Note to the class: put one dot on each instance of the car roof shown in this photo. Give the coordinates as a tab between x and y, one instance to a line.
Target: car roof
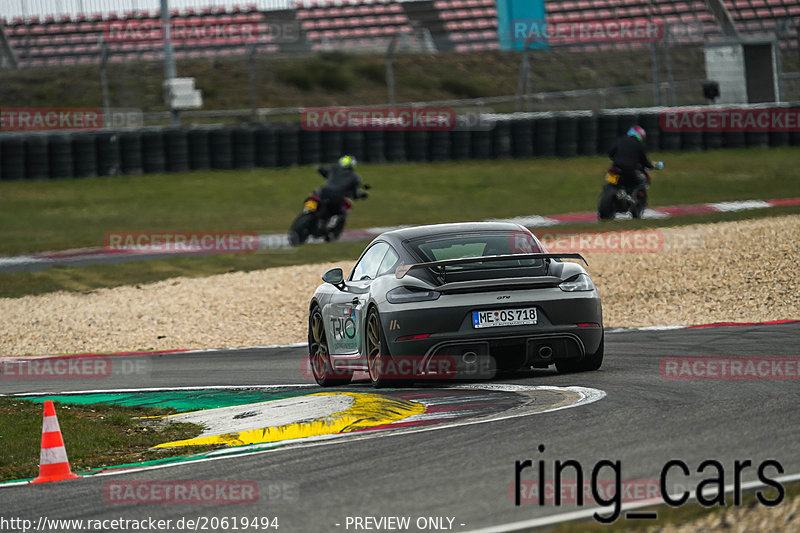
415	232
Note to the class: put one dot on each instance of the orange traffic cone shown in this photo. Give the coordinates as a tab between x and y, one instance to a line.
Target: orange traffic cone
53	462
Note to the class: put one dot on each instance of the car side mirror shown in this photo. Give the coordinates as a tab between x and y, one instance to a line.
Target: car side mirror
335	277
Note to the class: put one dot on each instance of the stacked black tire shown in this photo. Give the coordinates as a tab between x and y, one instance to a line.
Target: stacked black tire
522	135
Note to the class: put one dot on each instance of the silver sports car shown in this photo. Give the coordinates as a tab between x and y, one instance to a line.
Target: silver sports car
454	301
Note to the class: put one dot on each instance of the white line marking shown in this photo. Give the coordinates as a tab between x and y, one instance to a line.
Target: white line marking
645	328
532	221
587	513
740	206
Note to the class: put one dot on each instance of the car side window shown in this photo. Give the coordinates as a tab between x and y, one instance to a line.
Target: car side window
367	267
389	263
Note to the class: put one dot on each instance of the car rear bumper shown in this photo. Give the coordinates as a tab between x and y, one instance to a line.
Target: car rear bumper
569	326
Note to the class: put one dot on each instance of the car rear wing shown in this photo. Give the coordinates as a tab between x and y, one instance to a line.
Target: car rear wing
403	269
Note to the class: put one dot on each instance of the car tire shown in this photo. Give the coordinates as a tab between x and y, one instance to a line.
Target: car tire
378	357
319	356
589	363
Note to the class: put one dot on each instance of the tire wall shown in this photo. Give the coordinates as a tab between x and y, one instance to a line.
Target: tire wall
58	155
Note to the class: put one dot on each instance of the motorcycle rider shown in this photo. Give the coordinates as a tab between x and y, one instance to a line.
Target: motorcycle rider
629	155
342	182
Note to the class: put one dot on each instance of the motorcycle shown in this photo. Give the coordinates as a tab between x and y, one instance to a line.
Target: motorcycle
316	220
615	199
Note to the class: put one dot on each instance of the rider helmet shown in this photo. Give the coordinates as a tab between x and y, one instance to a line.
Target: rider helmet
638	132
347	161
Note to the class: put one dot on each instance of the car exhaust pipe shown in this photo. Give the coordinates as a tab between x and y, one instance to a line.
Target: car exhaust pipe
545	352
469	358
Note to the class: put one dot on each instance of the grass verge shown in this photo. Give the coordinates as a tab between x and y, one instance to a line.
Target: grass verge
683	515
95	436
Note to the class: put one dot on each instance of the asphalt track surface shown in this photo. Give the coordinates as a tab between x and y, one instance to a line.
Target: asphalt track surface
465	472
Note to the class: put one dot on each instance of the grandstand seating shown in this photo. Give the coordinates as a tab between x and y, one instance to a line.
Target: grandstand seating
363	25
68	41
460	25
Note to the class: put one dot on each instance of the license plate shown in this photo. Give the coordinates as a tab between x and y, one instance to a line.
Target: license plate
613	179
504	317
311	205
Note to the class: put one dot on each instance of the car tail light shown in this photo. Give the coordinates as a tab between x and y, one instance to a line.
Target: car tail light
403	295
413	337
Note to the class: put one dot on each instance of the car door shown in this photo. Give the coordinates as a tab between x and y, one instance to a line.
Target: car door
346	309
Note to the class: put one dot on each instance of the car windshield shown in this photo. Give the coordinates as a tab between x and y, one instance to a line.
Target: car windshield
483	244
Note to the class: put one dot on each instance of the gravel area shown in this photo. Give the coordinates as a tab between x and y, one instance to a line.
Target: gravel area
732	271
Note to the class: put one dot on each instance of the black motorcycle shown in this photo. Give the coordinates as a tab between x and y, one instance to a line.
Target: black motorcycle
617	199
320	219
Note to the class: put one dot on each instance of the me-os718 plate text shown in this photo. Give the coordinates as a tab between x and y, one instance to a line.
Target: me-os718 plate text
504	317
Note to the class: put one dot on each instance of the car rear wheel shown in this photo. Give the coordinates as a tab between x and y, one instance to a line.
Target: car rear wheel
321	365
589	362
378	358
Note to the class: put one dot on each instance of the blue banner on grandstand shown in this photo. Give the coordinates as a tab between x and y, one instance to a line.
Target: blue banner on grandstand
509	11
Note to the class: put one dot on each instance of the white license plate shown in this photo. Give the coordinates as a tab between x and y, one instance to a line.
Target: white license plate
504	317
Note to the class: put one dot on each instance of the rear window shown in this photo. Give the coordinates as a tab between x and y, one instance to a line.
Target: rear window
479	245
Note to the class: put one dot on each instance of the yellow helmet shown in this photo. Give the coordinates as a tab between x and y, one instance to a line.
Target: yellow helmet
347	161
